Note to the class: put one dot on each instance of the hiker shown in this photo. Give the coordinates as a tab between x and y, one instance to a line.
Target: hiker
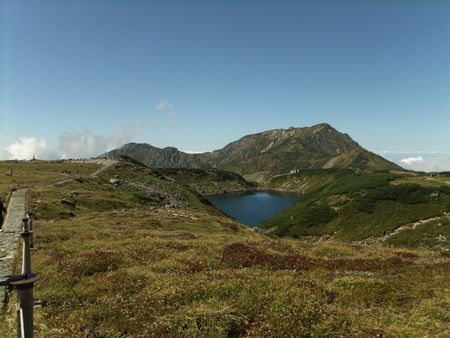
2	210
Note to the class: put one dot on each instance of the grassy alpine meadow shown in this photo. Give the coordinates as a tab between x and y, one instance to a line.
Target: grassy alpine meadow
17	174
150	258
355	205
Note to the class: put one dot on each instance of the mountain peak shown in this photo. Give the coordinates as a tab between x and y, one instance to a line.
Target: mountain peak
322	125
272	152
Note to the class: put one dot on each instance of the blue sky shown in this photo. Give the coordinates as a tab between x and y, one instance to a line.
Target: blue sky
78	77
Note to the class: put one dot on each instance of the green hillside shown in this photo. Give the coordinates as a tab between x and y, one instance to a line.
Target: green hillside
358	205
206	181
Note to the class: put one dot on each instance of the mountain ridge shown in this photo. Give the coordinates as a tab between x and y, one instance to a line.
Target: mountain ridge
261	155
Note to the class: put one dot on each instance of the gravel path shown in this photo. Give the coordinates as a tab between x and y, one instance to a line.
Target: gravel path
10	237
399	229
410	226
106	164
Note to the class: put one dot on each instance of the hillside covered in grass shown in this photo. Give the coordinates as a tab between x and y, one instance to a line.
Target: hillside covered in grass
207	181
357	205
146	256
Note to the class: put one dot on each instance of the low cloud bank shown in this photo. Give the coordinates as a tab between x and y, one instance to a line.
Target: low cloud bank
429	164
420	160
70	145
194	151
412	160
26	148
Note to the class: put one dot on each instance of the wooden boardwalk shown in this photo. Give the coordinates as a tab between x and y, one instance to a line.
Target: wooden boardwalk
10	237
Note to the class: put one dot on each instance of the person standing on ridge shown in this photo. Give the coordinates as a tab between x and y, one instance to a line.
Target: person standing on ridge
2	210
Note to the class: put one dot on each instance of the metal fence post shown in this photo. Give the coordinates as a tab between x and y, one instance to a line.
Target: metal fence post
18	325
26	256
24	289
28	216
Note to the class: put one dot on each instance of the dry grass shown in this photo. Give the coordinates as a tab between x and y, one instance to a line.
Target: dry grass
140	270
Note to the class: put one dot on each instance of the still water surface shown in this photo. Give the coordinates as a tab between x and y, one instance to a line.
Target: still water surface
251	208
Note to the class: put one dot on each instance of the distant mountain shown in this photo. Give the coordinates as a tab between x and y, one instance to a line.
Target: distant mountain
263	155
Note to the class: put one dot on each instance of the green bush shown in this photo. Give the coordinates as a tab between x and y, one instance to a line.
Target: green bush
363	204
404	193
355	182
318	214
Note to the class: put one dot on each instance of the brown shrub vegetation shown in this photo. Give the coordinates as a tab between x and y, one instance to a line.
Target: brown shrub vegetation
241	255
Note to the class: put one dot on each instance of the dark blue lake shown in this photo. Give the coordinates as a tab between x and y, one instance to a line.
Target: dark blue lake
251	208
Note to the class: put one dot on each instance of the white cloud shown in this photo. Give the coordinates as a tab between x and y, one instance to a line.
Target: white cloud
89	144
420	160
427	163
122	135
397	152
164	105
411	160
440	163
194	151
71	145
27	147
81	144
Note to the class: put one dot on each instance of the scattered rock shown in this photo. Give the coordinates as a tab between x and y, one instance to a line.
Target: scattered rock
435	194
258	230
441	238
68	201
115	181
66	215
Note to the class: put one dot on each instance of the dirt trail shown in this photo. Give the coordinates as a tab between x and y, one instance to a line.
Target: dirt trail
438	180
412	226
105	162
10	237
396	231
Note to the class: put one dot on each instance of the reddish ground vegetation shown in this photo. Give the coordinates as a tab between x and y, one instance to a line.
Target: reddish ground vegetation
87	263
195	266
241	255
441	266
186	236
407	255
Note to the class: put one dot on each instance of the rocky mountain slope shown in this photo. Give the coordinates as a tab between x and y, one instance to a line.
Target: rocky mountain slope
263	155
